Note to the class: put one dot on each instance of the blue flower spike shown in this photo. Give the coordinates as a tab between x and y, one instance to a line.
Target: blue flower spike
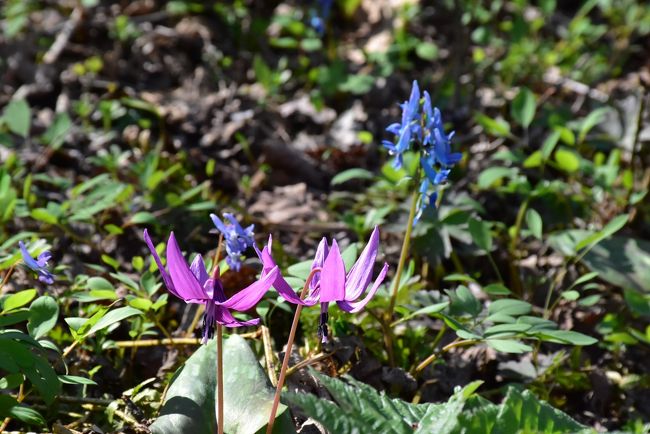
237	238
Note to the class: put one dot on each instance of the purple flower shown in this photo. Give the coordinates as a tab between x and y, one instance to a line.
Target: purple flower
194	285
38	265
408	129
332	283
237	238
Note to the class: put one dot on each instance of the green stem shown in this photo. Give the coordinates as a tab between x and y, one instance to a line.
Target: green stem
287	353
388	330
514	273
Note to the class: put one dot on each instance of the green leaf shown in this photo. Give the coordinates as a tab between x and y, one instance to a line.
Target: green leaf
9	407
534	222
523	107
190	402
57	131
113	317
566	337
427	310
509	306
590	121
74	379
481	234
142	217
19	299
42	214
99	284
427	50
534	160
359	408
43	314
610	229
496	127
496	289
567	160
17	117
347	175
492	175
508	346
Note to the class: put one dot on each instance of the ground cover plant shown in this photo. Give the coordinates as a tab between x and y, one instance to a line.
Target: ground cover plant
344	216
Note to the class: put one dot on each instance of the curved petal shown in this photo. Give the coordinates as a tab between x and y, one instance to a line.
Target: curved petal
198	269
44	258
165	277
185	283
354	307
249	296
27	258
321	253
224	317
332	282
360	274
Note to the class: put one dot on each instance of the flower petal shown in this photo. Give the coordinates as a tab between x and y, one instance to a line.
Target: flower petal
224	317
354	307
198	269
185	283
27	258
165	277
360	274
332	283
44	258
249	296
280	284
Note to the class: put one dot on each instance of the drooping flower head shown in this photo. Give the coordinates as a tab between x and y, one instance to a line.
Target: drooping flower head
193	284
332	283
237	239
38	265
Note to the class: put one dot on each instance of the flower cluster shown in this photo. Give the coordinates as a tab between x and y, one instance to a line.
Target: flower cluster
422	128
237	239
330	283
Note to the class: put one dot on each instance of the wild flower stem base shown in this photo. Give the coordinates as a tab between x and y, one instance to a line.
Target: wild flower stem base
287	354
220	378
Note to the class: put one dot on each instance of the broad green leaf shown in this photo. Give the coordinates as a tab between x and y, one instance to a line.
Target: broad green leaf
43	314
534	160
57	131
17	117
590	121
142	217
496	127
534	222
427	310
19	299
506	328
427	50
347	175
523	107
42	214
190	402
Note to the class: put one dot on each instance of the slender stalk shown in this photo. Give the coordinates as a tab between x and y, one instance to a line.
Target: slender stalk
434	356
268	354
220	378
287	354
388	331
512	248
7	275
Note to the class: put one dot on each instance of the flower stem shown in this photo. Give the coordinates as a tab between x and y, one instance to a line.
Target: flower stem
388	336
220	378
287	353
7	275
434	356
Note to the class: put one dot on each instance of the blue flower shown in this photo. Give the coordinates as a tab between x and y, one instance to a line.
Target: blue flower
436	141
237	238
408	129
38	265
319	18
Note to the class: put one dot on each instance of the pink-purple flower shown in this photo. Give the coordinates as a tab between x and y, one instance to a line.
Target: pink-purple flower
193	284
332	283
